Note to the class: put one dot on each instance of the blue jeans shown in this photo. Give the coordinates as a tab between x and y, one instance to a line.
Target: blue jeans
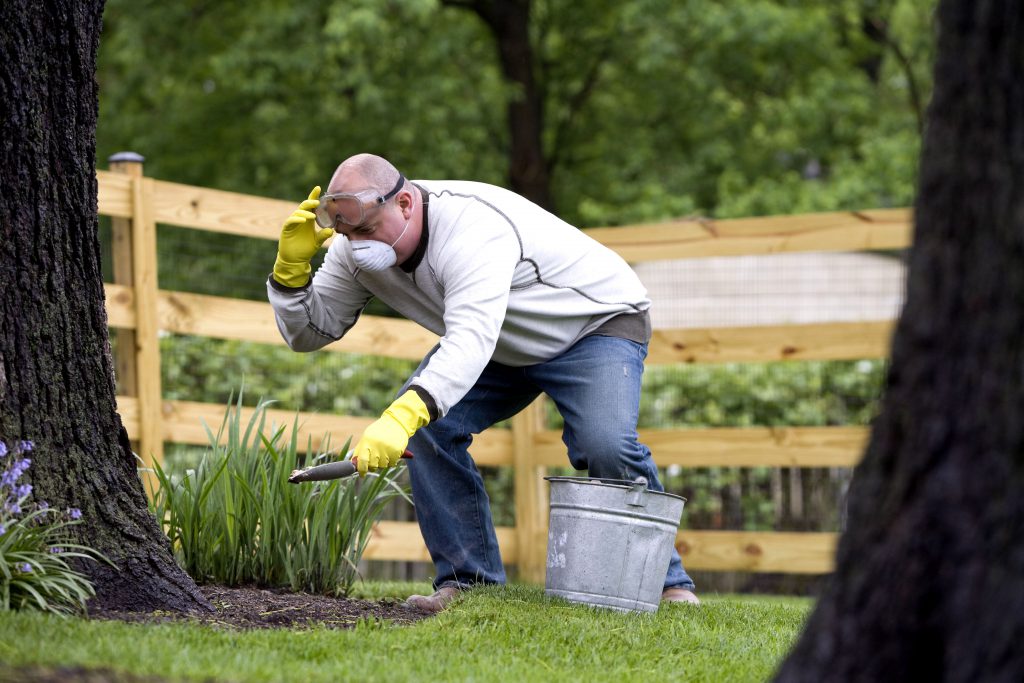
596	386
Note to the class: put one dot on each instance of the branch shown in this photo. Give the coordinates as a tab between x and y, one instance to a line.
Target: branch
576	103
915	95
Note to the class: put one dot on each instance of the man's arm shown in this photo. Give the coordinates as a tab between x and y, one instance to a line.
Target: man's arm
318	314
312	313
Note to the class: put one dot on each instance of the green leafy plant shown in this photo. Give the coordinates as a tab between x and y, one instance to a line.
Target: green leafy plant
35	545
236	520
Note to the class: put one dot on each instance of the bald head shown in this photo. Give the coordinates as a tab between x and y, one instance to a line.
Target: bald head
362	172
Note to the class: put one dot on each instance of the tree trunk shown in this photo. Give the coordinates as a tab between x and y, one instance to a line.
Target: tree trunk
929	580
56	373
509	21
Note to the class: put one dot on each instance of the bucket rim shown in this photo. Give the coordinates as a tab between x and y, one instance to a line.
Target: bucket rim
616	483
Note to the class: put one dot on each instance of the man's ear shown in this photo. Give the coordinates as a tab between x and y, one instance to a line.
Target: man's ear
405	203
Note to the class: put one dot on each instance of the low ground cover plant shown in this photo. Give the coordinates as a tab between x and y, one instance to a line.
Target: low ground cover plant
235	519
36	545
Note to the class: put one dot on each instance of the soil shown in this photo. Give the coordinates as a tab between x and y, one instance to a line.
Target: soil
252	608
237	609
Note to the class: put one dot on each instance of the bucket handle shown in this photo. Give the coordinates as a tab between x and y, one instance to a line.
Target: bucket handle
637	487
636	493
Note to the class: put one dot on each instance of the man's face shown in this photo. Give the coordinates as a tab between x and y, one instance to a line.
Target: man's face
384	223
378	225
350	183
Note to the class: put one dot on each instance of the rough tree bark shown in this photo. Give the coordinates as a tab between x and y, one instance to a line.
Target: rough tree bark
929	581
56	373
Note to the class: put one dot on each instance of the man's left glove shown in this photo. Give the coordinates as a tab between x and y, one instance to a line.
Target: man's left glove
384	441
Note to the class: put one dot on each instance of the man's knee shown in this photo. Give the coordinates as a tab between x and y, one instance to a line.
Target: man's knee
604	451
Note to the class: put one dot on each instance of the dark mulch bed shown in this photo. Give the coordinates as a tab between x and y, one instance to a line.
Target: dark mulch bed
250	608
236	608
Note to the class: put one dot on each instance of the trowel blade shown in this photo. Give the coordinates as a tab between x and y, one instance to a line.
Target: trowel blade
331	470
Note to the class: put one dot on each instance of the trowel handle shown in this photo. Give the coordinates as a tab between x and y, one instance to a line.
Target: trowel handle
331	470
405	456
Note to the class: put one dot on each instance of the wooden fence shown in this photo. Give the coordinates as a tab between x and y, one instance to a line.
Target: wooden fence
139	311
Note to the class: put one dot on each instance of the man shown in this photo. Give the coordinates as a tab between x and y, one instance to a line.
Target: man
523	302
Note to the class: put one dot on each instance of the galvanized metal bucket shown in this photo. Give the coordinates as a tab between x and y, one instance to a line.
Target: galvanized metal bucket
610	542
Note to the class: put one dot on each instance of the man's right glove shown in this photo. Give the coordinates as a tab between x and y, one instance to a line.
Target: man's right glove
300	239
384	441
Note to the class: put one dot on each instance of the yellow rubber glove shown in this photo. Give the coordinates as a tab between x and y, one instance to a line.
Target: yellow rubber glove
385	440
300	239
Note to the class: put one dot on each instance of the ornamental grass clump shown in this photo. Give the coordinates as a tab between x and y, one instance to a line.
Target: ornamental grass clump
35	545
235	520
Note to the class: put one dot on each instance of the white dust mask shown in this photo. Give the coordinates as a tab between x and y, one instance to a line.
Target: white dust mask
375	256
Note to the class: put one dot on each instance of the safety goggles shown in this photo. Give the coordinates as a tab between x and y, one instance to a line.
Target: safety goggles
350	209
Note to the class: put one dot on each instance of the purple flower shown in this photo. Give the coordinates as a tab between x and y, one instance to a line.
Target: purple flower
3	449
12	475
43	505
13	508
75	513
3	530
55	550
24	490
26	446
25	568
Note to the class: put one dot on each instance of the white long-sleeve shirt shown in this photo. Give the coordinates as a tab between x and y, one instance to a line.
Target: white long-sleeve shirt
500	279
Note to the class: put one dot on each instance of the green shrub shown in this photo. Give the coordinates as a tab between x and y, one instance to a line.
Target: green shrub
235	519
35	545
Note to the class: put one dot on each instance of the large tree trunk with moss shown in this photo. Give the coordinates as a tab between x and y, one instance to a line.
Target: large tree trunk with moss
56	373
929	581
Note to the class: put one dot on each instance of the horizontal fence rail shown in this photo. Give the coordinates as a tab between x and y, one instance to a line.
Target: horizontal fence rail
223	318
183	422
240	214
138	311
766	551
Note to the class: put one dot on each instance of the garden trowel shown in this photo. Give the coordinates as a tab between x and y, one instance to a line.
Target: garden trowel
331	470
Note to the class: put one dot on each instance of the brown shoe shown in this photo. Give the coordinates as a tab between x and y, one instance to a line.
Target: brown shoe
679	595
436	602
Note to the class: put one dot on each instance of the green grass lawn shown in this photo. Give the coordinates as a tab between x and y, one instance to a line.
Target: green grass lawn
503	634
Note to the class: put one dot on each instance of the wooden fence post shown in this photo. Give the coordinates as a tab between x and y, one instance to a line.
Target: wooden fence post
135	264
531	494
129	164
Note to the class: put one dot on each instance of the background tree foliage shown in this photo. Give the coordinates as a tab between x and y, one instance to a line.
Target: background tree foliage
647	109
